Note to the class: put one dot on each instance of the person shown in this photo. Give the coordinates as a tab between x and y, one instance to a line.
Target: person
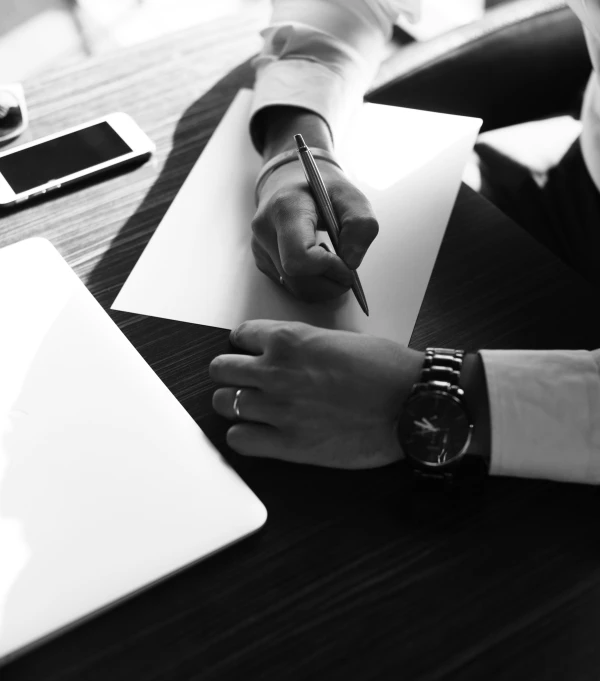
346	400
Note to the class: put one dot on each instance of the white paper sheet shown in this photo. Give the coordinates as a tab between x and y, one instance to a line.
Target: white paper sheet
198	266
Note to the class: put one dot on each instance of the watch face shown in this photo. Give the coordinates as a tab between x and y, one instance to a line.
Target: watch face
434	429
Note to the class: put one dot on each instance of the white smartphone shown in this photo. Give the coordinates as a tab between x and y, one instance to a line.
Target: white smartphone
47	164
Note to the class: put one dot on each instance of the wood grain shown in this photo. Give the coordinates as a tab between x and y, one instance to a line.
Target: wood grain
357	575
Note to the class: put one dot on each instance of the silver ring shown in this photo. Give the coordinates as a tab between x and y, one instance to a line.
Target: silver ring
236	404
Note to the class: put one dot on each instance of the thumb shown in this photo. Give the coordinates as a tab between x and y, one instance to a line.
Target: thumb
326	262
358	225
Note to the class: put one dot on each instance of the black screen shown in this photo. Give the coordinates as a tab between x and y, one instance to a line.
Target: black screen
61	156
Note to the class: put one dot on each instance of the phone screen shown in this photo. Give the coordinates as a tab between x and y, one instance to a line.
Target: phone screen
62	156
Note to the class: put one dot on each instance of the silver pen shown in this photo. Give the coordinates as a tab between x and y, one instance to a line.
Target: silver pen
325	207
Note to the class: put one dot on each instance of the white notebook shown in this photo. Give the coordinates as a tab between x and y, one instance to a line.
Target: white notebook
198	267
106	483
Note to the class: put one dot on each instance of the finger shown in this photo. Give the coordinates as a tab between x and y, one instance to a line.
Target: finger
305	288
313	289
265	263
252	439
358	224
252	405
239	370
252	335
309	289
292	212
302	256
294	251
318	288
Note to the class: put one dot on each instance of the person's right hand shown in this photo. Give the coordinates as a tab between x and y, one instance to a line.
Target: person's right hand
285	240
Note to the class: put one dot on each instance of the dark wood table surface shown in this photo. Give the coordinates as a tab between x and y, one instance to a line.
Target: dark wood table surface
357	575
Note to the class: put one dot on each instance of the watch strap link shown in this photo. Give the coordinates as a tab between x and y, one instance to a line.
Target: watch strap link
441	371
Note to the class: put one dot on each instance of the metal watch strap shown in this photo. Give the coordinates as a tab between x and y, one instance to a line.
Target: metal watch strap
288	157
441	371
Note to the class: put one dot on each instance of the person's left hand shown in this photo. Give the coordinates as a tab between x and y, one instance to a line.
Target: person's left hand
315	396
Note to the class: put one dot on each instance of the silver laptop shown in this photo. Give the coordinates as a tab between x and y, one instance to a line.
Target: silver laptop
106	483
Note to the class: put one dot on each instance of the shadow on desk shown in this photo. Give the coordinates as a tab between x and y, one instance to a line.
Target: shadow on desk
179	352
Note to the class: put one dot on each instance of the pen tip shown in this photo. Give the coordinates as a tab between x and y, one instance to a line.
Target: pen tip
299	141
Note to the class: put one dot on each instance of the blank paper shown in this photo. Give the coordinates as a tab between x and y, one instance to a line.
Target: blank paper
198	266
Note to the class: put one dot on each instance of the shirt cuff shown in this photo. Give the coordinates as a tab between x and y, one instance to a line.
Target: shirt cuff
307	85
544	413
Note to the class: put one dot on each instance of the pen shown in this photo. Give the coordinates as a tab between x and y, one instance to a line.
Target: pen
321	197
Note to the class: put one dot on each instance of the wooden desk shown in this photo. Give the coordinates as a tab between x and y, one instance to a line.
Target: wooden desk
354	576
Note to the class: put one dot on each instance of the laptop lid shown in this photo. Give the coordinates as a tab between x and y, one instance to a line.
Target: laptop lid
106	483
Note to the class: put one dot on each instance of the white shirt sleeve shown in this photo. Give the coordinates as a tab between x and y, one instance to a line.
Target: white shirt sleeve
322	55
545	413
588	12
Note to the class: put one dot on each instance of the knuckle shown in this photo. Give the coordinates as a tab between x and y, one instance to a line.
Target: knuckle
260	226
281	203
284	335
238	332
242	327
286	419
285	342
276	378
294	265
337	185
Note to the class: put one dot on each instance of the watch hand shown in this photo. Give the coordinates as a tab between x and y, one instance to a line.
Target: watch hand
425	424
444	452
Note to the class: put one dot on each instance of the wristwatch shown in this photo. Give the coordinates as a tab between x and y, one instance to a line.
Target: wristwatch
434	427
